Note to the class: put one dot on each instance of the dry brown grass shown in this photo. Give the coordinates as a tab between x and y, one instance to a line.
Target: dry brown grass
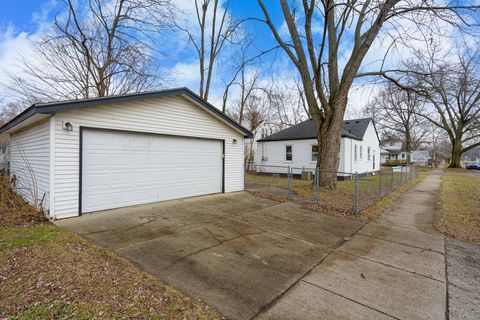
460	203
13	210
50	273
455	170
339	202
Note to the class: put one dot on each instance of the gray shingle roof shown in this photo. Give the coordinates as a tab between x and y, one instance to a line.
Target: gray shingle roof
354	129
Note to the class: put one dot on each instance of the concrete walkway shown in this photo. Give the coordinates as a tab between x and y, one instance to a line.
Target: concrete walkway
393	268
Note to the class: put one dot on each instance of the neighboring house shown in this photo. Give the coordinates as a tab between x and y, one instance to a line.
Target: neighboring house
297	147
88	155
421	158
263	130
394	151
472	155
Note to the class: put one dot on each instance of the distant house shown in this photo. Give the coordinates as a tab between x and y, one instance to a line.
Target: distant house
421	158
264	129
297	147
394	151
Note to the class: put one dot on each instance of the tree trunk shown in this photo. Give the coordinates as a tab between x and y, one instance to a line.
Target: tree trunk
456	154
408	142
329	135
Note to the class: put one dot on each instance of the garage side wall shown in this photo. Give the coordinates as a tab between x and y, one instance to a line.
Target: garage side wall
30	163
167	115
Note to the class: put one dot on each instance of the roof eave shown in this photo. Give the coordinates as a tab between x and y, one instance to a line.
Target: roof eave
51	108
306	138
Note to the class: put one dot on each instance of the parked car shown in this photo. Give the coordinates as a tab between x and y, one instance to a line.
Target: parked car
473	166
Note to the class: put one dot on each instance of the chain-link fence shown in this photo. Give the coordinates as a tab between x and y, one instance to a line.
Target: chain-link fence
353	192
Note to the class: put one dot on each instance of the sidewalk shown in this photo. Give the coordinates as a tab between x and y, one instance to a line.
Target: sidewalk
393	268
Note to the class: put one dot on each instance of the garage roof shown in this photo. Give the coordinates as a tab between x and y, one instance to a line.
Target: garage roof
353	129
49	109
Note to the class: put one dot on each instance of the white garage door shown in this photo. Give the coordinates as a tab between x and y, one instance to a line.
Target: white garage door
122	169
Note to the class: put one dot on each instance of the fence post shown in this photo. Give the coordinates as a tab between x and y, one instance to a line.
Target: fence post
316	185
356	194
289	182
391	180
380	182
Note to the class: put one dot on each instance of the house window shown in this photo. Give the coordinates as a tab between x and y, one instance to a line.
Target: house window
361	153
403	155
314	153
369	151
288	153
355	152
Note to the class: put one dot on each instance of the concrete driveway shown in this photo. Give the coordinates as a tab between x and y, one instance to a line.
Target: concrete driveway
237	252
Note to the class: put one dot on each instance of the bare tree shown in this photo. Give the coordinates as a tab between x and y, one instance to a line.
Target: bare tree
96	48
213	35
8	110
396	110
326	83
452	88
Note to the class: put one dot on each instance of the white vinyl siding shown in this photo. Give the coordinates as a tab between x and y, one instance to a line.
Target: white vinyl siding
167	115
30	163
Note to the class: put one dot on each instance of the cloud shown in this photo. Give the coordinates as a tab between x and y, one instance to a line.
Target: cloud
186	74
13	46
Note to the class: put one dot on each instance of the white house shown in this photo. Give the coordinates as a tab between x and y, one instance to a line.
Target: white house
89	155
297	147
393	150
421	158
264	129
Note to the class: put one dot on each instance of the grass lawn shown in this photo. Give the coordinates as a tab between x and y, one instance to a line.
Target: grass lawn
460	200
340	201
49	273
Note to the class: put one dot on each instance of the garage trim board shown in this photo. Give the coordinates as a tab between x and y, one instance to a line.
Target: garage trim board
144	135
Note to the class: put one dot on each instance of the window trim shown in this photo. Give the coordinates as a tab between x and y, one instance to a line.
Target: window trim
289	153
355	152
313	153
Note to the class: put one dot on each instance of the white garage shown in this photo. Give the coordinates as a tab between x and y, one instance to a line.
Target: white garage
90	155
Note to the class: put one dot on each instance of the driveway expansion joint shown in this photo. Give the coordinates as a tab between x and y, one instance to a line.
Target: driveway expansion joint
390	266
350	299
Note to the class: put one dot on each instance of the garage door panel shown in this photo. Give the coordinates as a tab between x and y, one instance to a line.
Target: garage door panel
122	169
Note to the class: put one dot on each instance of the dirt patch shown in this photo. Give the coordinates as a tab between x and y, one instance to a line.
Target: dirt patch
269	196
